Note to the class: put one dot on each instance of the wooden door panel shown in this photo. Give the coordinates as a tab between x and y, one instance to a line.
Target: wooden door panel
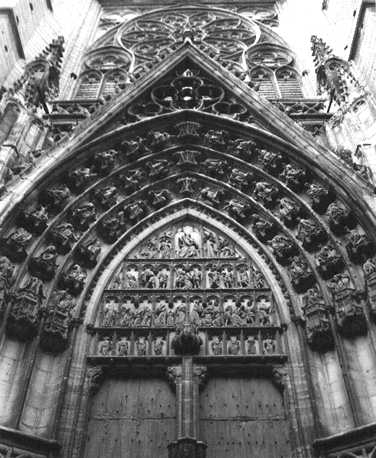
131	418
243	418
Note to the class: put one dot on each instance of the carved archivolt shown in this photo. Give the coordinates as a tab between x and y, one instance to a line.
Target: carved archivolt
292	215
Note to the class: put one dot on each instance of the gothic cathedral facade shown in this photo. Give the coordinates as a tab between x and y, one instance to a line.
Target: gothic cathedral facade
188	236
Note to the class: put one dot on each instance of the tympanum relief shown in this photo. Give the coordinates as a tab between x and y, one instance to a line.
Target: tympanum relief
184	275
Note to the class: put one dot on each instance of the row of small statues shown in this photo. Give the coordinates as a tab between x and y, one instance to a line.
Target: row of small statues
142	346
187	242
210	314
189	277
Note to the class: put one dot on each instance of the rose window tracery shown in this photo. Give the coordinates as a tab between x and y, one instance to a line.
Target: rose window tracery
221	33
187	275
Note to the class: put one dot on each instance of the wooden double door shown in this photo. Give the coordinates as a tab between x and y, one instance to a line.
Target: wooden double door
239	418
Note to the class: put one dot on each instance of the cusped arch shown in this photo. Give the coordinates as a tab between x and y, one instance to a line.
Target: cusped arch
180	212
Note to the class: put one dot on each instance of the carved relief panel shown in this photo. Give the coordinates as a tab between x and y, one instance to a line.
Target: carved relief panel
187	274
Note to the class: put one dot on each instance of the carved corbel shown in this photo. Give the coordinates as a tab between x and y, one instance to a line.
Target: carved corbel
95	376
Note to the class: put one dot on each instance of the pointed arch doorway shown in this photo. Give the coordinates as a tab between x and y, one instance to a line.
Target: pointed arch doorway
188	335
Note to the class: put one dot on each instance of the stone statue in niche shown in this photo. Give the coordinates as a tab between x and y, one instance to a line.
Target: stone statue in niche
269	346
321	197
272	162
187	242
233	316
266	193
148	278
54	335
147	317
135	211
251	345
294	177
259	281
110	312
212	195
44	266
158	346
80	178
264	310
359	247
158	169
245	149
329	262
180	310
158	140
241	180
163	277
110	227
247	311
105	346
318	328
159	199
83	215
244	277
122	347
23	320
141	346
131	181
138	316
134	148
126	315
226	248
55	197
233	346
348	306
265	230
340	219
284	249
310	234
237	209
216	346
227	277
34	221
369	269
14	246
210	243
216	138
130	279
149	249
160	314
289	211
302	277
165	245
63	236
87	253
187	185
6	275
74	279
182	280
214	276
106	196
104	162
215	167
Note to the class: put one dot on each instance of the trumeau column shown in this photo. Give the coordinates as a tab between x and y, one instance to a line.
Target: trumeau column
187	378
